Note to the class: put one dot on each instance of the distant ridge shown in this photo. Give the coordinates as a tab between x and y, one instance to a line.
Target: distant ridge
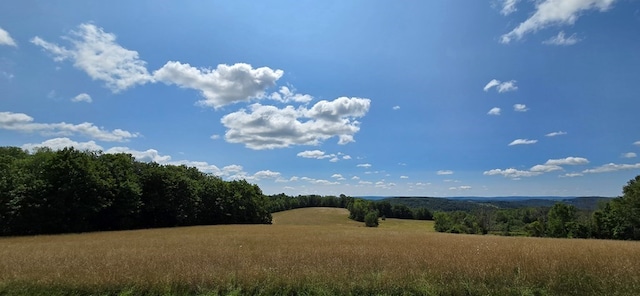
468	203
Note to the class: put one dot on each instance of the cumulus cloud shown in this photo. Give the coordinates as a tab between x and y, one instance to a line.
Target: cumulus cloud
629	155
396	108
286	95
571	175
221	86
560	39
568	161
501	87
554	12
520	108
24	123
83	97
61	143
5	38
338	177
511	173
404	177
266	174
346	157
444	172
637	143
97	54
149	155
555	134
550	166
364	165
494	111
523	142
508	6
317	154
612	167
269	127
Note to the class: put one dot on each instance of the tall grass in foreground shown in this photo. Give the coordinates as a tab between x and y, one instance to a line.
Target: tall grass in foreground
333	256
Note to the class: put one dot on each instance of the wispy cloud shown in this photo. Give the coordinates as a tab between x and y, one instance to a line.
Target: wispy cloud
612	167
444	172
97	54
523	142
554	134
629	155
501	87
5	38
24	123
560	39
554	12
508	6
494	111
83	97
364	165
520	108
396	108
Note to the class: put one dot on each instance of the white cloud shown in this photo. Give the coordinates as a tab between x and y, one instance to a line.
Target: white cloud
149	155
24	123
494	111
268	127
520	108
338	177
215	137
61	143
221	86
568	161
355	178
637	143
612	167
266	174
561	40
444	172
554	134
317	154
550	166
554	12
492	83
629	155
545	168
571	175
511	173
404	177
364	165
464	187
5	38
97	53
286	95
83	97
334	159
522	142
501	87
508	7
365	183
346	157
396	108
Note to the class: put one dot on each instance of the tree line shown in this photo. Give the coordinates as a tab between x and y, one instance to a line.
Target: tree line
369	212
618	218
48	192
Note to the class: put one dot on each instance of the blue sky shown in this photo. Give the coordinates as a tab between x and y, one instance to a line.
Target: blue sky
423	98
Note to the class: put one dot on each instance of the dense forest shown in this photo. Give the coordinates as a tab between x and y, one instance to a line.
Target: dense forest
617	218
76	191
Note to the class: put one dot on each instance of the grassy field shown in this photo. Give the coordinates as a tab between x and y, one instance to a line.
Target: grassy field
316	251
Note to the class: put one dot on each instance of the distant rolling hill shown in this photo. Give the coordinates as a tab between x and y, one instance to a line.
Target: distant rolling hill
469	203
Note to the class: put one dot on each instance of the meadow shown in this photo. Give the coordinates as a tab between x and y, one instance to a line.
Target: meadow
314	251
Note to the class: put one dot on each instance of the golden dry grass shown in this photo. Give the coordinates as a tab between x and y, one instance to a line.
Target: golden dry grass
322	248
